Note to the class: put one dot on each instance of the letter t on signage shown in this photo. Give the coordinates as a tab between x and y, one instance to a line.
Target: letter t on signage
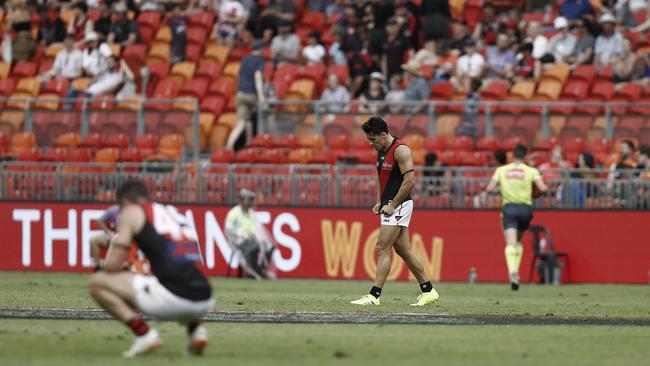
26	216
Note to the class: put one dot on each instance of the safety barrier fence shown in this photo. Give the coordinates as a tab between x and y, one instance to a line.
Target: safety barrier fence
351	186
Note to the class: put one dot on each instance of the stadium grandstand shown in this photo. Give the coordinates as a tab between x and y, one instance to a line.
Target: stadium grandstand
154	94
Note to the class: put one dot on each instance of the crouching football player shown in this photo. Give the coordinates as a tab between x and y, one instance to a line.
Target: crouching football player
177	291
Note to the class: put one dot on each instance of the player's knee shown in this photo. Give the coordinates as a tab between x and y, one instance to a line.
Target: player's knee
382	249
97	281
400	251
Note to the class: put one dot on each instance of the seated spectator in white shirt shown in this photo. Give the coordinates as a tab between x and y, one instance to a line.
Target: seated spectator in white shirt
336	96
395	95
314	52
67	63
563	44
232	18
285	47
94	56
109	82
469	66
535	36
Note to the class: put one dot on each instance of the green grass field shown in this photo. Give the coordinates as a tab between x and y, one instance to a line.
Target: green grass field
89	342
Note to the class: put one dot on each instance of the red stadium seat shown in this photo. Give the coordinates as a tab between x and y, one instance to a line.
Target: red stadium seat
137	51
313	20
289	141
203	19
25	69
262	141
341	71
150	19
196	88
119	140
224	88
208	70
461	143
222	157
92	140
487	144
56	86
495	90
214	105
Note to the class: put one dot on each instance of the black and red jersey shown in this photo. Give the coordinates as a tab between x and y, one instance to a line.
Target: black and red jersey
390	175
173	252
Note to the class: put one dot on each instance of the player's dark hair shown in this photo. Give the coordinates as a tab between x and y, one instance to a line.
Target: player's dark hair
132	190
644	150
629	144
501	157
520	151
375	125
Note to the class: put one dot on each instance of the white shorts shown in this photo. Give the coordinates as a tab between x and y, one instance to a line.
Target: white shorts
154	300
401	216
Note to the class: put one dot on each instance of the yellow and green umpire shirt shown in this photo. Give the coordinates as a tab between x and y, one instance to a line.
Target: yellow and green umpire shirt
516	183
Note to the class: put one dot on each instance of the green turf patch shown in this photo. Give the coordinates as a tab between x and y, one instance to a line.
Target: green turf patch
72	343
49	290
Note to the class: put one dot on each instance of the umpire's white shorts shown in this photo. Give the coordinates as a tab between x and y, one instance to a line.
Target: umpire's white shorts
155	301
400	217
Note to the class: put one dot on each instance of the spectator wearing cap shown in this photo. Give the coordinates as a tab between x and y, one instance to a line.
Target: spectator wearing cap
232	19
249	93
609	43
177	24
103	23
418	88
80	25
124	31
67	63
373	97
563	44
469	66
51	28
535	36
335	97
107	83
285	47
359	66
574	10
94	55
500	58
396	47
584	50
313	52
396	94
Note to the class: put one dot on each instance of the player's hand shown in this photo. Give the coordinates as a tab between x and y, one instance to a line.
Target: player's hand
387	210
375	208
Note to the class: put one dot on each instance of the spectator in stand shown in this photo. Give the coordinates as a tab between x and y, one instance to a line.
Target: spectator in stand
104	22
489	27
396	47
437	19
621	11
535	36
314	52
177	25
80	25
526	67
628	66
396	94
18	21
275	12
609	43
351	25
51	28
337	56
417	89
406	21
500	58
249	93
574	10
459	37
151	5
335	96
470	66
94	56
551	169
620	169
563	44
232	19
359	66
643	164
123	30
427	54
584	50
109	82
67	63
469	125
375	94
337	7
285	47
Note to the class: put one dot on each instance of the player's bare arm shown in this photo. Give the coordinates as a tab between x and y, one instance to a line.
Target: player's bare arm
132	220
492	186
404	158
102	225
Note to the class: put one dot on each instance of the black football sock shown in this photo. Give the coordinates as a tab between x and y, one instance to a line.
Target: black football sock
375	291
426	286
138	326
192	326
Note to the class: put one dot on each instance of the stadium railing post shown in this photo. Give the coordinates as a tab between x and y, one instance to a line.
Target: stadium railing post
262	108
28	117
546	131
85	128
609	127
140	129
433	124
489	125
196	132
318	127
